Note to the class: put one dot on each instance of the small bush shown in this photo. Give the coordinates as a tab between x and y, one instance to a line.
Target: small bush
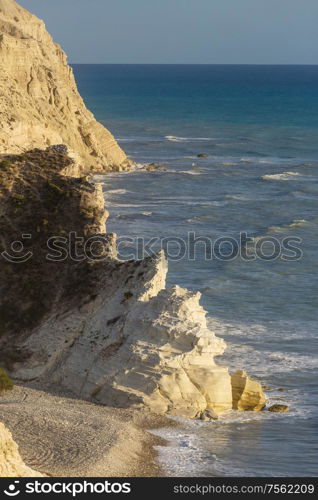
56	188
19	197
5	165
6	383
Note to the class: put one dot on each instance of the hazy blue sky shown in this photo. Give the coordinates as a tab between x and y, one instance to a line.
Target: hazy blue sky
183	31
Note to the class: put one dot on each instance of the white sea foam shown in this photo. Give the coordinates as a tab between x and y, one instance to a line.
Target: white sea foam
139	139
287	330
284	228
190	172
262	362
239	197
295	224
285	176
173	138
117	191
187	453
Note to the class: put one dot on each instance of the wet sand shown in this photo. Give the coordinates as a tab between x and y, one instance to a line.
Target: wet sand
60	435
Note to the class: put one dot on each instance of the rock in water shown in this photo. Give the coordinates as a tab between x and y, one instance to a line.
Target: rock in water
208	415
202	155
277	408
39	101
247	393
155	166
11	463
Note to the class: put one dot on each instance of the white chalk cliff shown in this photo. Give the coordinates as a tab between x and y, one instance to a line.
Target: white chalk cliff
11	463
139	344
39	101
109	330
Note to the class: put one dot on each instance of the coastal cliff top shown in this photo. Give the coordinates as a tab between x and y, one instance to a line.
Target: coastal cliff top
39	101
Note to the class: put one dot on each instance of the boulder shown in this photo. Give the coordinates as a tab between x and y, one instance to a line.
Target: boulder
247	393
278	408
155	166
208	415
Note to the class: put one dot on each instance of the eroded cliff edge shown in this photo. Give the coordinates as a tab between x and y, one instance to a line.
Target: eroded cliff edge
11	463
39	101
76	316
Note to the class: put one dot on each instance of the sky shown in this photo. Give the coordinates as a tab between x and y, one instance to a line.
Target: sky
183	31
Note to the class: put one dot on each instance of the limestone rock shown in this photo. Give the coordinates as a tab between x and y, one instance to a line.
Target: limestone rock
39	101
208	415
11	463
155	166
247	393
108	330
278	408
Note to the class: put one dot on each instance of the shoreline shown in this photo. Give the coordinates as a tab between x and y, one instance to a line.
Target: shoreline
62	436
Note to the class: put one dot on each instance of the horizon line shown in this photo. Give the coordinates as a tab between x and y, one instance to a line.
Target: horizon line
191	64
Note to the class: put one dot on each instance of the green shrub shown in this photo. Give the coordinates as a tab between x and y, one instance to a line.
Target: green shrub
56	188
6	383
5	164
19	197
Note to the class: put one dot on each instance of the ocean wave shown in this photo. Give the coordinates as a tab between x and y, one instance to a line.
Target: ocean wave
173	138
190	172
285	176
118	191
287	330
144	140
284	228
280	229
196	448
265	363
255	158
239	197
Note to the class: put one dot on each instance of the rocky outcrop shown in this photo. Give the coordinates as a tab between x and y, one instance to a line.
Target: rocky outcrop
247	393
278	408
11	463
108	330
39	101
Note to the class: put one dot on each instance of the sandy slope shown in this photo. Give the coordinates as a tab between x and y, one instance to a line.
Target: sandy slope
62	436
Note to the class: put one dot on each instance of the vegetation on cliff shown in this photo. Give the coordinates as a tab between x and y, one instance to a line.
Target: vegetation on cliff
6	383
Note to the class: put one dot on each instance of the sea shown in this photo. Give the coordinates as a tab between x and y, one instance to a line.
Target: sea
257	127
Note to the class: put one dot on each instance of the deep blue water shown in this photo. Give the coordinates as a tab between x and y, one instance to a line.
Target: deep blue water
258	126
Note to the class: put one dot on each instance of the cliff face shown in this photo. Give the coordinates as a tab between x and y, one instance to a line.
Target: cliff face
71	313
106	329
11	463
39	101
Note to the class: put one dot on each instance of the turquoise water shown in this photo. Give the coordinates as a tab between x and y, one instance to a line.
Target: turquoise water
258	126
